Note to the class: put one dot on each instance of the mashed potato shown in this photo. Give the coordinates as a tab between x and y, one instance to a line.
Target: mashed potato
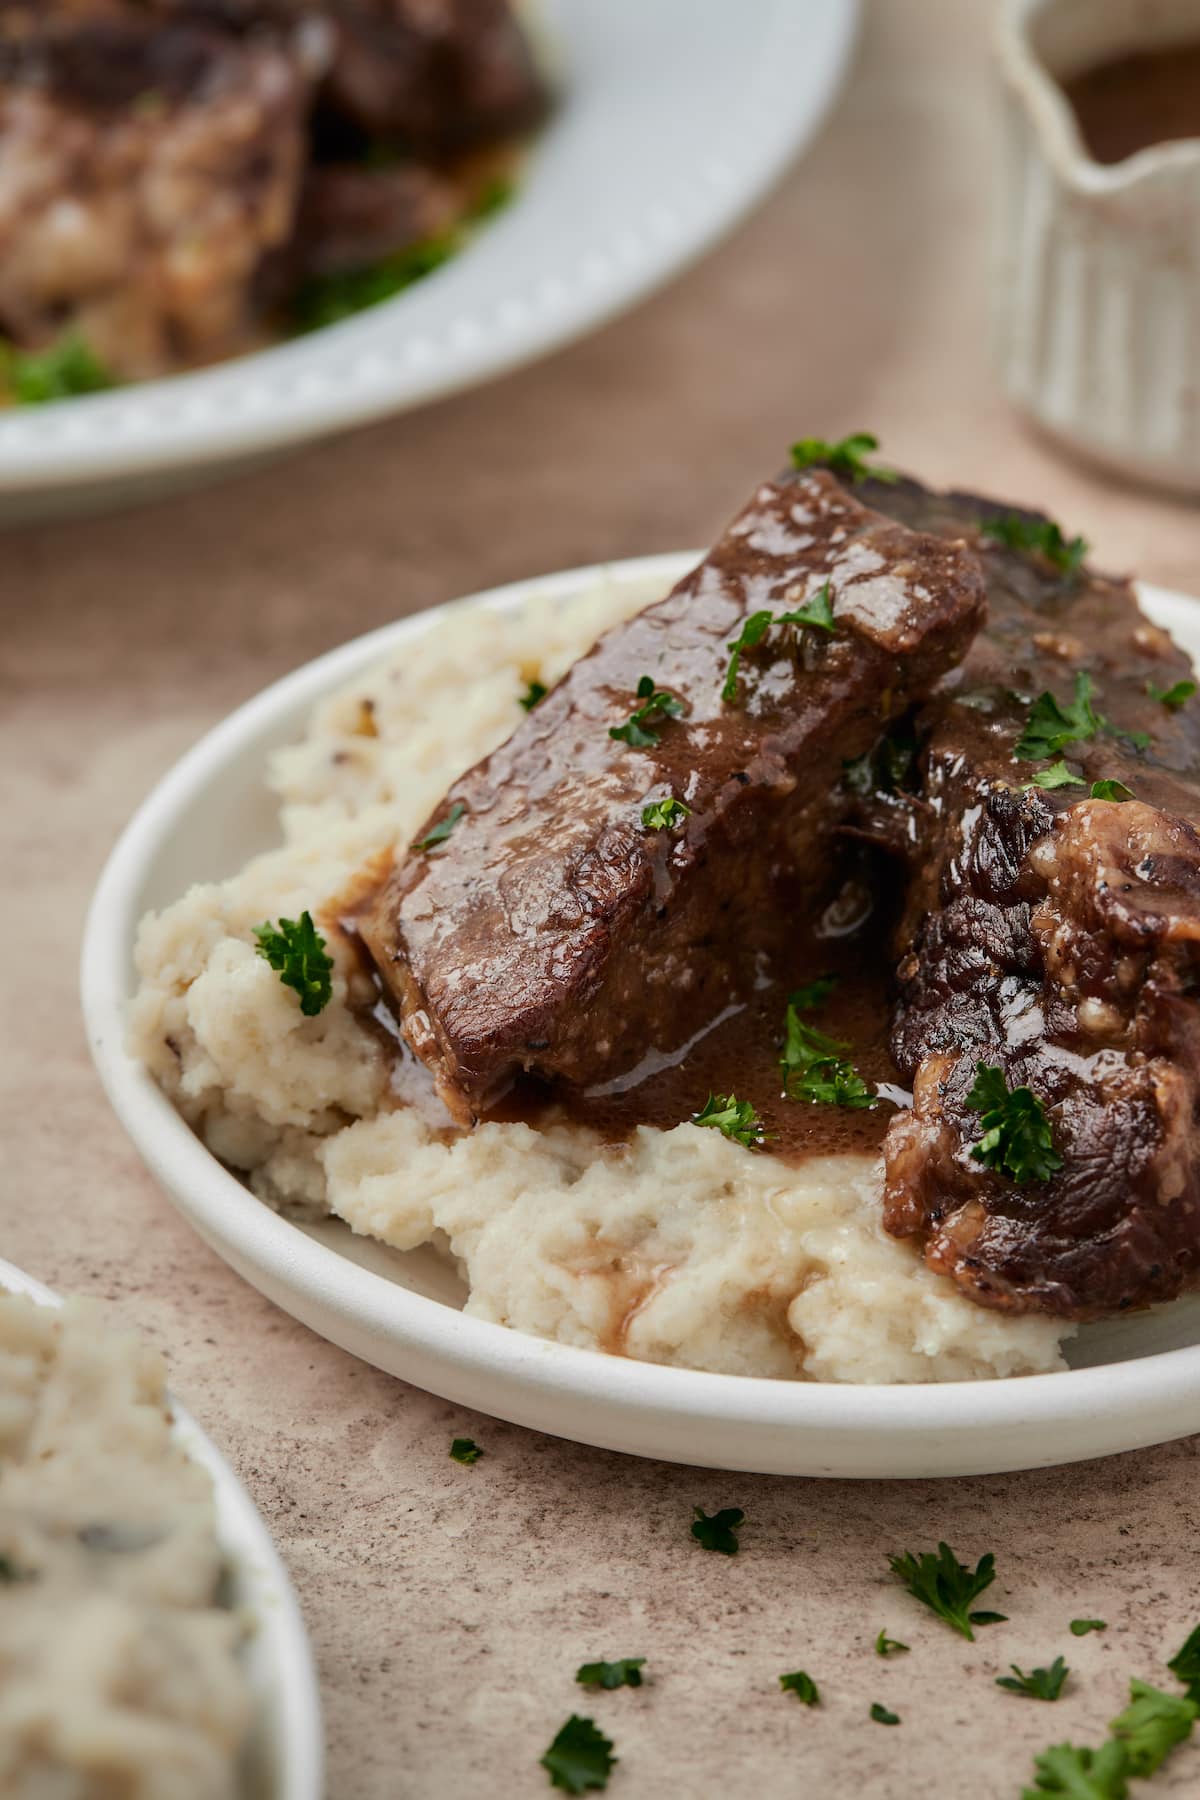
118	1673
679	1247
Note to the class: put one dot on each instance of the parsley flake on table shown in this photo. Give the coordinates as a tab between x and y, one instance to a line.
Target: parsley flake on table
720	1532
656	704
625	1672
817	612
1042	536
802	1685
1080	1773
882	1716
442	831
1016	1140
1151	1726
62	372
749	637
813	1068
733	1118
662	815
886	1646
580	1758
846	458
1173	697
295	949
1081	1627
947	1586
1185	1664
536	691
1111	790
465	1450
1056	776
1039	1684
1051	726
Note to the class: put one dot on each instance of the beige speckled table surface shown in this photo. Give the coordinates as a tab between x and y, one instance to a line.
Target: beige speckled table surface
450	1606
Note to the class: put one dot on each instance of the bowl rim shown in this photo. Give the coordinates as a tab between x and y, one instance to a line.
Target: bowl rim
292	1710
261	1241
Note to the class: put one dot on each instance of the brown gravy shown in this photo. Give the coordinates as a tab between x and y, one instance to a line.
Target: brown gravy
1131	102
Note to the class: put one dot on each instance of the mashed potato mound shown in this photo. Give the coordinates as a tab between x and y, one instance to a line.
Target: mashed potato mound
118	1672
679	1247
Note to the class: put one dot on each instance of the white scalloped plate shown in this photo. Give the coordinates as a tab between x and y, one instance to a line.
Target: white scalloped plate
675	117
285	1757
1133	1381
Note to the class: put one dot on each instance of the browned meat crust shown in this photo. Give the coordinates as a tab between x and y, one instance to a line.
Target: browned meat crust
554	932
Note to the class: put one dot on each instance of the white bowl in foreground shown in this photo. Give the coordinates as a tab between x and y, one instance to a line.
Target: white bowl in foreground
1135	1381
285	1757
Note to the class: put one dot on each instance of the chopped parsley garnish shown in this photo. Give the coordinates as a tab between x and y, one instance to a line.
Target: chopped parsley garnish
1173	697
1080	1773
327	299
1051	726
752	634
1016	1140
802	1685
1056	776
813	1069
1042	536
882	1716
1039	1684
885	767
1111	790
1081	1627
947	1586
533	693
625	1672
442	831
887	1646
65	370
733	1118
813	993
846	458
1185	1664
580	1758
720	1532
465	1450
1151	1726
498	193
656	703
817	612
296	950
661	815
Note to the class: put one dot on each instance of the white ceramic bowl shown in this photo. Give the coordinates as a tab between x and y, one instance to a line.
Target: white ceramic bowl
675	117
1136	1380
285	1757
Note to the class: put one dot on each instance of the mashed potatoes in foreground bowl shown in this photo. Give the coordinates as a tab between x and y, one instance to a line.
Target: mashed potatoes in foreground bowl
677	1247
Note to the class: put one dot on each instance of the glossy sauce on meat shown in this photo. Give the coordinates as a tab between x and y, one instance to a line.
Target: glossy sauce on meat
1132	102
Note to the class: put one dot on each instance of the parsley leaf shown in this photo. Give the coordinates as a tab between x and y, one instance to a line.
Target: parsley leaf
733	1118
1016	1139
752	634
817	612
1173	697
946	1586
1081	1627
66	369
625	1672
813	993
802	1685
296	950
327	299
1080	1774
720	1532
661	815
1185	1664
442	831
465	1450
1056	776
1151	1726
813	1070
846	458
580	1757
657	703
1111	790
882	1716
886	1646
536	691
1040	535
1051	727
1039	1684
